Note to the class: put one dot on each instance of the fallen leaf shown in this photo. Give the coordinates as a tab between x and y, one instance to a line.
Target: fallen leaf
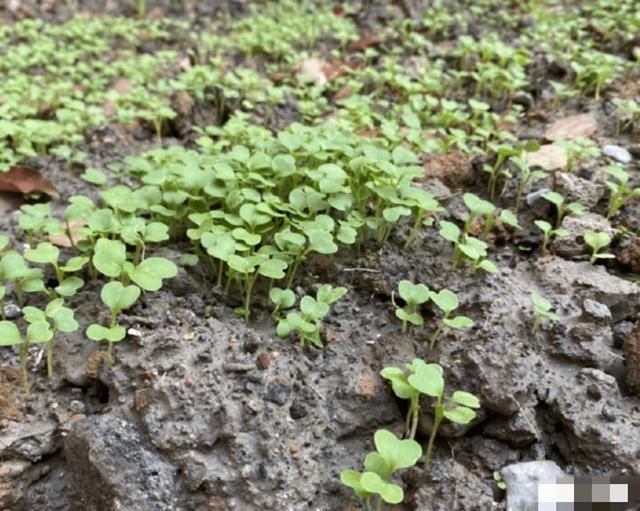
62	240
122	86
313	68
338	10
344	92
24	180
322	72
572	127
548	157
365	41
8	202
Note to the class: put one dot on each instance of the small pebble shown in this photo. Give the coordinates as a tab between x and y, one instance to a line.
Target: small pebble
11	311
533	197
617	153
596	310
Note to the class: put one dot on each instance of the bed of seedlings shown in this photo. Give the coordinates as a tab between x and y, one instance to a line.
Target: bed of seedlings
305	255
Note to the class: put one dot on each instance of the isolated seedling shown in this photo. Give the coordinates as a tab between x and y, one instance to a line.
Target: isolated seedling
597	241
497	477
428	379
374	485
471	248
573	208
414	295
619	192
59	318
549	233
542	308
313	311
447	302
117	298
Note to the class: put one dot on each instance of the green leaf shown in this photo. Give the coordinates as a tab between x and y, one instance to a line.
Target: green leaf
322	242
9	334
391	493
284	328
351	478
109	257
33	314
540	304
94	176
44	253
283	298
74	264
69	286
509	218
374	462
449	231
399	382
299	323
465	399
554	198
329	294
39	332
63	317
118	297
413	294
313	309
426	378
460	415
458	322
101	333
597	240
273	268
397	453
150	273
446	300
413	318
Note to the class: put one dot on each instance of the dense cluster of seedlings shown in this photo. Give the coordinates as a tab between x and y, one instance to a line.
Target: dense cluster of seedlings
254	205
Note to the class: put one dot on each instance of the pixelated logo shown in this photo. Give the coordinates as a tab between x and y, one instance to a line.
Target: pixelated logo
590	494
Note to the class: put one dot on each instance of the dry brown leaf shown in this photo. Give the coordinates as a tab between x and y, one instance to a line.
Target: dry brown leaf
548	157
313	68
62	240
24	180
122	86
8	202
572	127
365	41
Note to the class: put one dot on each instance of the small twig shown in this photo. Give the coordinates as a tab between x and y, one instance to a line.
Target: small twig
369	270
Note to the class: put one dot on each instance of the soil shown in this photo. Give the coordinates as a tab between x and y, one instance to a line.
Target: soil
204	412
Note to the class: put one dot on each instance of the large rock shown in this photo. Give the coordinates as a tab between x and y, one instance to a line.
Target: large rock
112	468
523	479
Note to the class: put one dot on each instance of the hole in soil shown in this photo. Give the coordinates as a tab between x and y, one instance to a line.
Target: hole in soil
100	391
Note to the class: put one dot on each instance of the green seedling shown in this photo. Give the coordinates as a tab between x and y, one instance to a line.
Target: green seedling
619	192
313	311
573	208
374	485
25	280
468	247
549	232
282	299
497	477
447	302
578	150
37	332
414	295
542	308
110	259
47	253
58	317
478	208
428	379
526	176
597	241
117	298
